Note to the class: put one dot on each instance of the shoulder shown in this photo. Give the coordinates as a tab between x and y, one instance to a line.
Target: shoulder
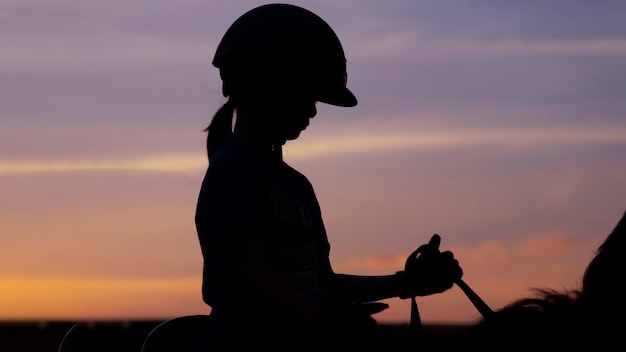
235	157
229	151
295	175
296	180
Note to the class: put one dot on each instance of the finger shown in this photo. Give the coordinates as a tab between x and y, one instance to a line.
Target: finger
447	255
457	271
434	242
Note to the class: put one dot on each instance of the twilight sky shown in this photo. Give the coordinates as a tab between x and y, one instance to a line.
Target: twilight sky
500	125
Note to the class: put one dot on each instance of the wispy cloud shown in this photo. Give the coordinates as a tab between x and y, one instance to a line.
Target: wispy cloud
342	145
374	264
478	257
411	47
105	50
514	138
168	163
546	246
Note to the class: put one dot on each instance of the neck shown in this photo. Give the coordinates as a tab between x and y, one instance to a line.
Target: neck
256	129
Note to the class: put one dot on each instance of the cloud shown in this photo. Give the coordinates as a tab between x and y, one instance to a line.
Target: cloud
485	254
479	257
113	49
512	138
78	36
546	246
159	163
412	47
373	264
336	145
64	36
102	51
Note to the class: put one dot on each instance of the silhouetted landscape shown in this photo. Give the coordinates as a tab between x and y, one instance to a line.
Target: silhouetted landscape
44	336
127	336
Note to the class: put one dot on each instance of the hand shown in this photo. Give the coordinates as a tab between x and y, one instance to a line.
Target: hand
428	271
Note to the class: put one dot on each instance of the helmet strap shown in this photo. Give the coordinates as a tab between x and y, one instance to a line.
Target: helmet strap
277	152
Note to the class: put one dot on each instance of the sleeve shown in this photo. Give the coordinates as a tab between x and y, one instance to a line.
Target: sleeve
237	198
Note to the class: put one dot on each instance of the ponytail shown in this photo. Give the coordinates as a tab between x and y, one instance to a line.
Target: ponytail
220	128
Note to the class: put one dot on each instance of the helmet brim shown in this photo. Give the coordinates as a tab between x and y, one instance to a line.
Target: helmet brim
341	96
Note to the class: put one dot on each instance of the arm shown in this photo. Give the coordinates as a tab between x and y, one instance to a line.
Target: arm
358	288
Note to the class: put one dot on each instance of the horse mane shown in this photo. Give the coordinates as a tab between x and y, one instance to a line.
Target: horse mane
589	316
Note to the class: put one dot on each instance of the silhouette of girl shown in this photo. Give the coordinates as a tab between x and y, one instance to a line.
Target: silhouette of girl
267	275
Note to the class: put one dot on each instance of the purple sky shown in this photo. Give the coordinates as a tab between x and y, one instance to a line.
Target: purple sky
499	125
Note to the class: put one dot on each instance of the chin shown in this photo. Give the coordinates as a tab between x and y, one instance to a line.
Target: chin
292	136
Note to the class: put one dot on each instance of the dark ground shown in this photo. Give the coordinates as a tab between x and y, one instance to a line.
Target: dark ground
32	336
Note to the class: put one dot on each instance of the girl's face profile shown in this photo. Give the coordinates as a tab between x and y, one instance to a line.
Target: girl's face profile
295	106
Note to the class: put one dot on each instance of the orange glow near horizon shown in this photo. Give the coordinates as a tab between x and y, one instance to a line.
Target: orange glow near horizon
98	298
107	298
